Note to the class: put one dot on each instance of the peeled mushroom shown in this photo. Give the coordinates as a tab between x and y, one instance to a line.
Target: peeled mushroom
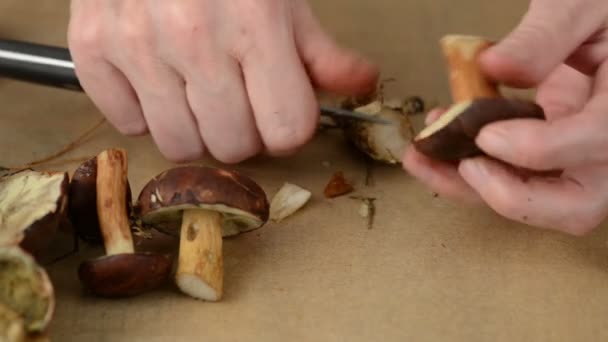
382	143
202	205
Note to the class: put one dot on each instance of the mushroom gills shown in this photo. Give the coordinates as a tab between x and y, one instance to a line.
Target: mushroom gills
26	289
169	220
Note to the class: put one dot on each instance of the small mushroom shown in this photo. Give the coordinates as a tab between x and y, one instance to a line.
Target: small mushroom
26	289
32	208
122	271
477	102
83	202
202	205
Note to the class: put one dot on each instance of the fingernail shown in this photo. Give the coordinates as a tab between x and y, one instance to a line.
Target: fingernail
473	171
493	140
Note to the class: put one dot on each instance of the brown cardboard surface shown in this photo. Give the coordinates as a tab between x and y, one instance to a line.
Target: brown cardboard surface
428	270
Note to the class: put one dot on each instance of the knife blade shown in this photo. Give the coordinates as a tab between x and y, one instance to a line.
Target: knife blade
53	66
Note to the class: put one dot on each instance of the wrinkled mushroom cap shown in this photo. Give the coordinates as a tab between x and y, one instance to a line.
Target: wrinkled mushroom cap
123	275
242	203
26	288
452	136
32	207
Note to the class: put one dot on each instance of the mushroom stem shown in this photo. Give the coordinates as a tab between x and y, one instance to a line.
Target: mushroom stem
200	269
111	181
467	80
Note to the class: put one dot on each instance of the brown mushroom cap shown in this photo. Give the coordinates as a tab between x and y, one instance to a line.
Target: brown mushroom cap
26	288
124	275
452	136
83	202
242	203
32	208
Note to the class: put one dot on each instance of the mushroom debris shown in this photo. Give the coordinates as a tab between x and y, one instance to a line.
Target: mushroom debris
338	186
26	290
32	208
384	143
122	271
288	200
202	205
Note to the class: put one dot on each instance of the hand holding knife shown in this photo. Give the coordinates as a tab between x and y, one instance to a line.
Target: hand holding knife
53	66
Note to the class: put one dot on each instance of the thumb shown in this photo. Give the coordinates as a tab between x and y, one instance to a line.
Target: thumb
331	67
544	39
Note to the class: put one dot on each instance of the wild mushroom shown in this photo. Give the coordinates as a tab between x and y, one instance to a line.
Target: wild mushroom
202	205
83	202
32	208
122	271
380	142
26	289
477	102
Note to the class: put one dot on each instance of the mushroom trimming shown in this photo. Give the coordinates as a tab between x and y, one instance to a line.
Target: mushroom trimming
202	205
477	102
122	271
32	208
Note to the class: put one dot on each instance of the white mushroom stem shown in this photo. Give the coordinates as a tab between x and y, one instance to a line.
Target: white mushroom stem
112	185
200	270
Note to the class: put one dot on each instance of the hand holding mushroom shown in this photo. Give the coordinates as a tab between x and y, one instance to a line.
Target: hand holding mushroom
570	68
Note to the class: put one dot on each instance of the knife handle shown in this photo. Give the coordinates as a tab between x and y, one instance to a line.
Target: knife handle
38	63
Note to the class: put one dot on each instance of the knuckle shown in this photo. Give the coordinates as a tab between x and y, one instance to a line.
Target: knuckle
181	155
85	39
286	138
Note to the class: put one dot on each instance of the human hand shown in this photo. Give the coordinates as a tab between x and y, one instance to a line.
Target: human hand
562	49
229	78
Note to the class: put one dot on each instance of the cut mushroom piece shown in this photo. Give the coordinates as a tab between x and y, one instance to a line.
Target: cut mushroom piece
202	204
32	208
26	288
121	272
83	202
289	199
452	136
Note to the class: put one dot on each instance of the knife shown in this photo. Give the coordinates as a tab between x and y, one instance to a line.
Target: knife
53	66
